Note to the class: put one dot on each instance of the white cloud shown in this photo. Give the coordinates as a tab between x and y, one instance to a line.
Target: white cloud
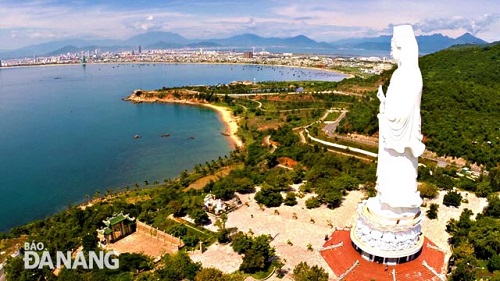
321	20
472	25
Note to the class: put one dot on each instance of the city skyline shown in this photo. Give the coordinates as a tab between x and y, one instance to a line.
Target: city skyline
30	22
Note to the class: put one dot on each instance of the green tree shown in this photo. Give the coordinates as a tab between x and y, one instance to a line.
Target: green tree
134	262
332	198
178	230
494	263
432	213
428	190
485	237
223	235
268	197
464	271
346	181
175	207
493	208
452	198
304	272
178	267
257	252
290	199
199	216
212	274
253	261
495	178
241	242
89	242
312	203
483	189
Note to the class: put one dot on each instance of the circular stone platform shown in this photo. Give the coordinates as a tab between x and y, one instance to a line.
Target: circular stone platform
387	236
346	262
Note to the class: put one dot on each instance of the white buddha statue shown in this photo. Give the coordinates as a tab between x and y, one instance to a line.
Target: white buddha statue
400	140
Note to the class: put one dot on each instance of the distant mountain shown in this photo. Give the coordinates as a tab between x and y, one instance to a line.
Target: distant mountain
63	50
150	38
426	43
252	40
301	43
468	38
203	44
164	45
74	49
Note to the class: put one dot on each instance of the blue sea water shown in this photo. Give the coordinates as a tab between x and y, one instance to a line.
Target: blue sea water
65	132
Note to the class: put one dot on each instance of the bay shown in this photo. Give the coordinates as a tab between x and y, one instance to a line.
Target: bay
65	132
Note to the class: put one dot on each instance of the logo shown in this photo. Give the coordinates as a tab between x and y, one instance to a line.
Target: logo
36	257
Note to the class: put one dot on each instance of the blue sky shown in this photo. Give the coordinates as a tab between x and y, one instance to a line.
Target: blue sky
25	22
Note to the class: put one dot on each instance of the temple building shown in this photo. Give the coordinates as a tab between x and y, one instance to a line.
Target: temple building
116	227
213	205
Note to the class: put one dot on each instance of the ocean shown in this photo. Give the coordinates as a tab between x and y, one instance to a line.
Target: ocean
65	132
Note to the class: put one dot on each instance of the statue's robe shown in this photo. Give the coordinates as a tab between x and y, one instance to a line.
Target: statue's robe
400	140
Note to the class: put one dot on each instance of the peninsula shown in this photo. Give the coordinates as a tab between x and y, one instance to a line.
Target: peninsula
267	209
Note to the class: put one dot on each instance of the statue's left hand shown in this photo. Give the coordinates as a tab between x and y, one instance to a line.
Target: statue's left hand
381	97
380	94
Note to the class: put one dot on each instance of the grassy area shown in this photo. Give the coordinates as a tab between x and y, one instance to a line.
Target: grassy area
316	132
9	246
263	274
355	71
333	116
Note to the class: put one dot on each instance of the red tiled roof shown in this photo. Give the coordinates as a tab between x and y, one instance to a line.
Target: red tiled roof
340	259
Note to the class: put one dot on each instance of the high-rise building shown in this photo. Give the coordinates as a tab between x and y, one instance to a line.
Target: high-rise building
140	49
248	55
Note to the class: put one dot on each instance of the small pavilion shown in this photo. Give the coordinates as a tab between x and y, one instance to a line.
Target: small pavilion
116	227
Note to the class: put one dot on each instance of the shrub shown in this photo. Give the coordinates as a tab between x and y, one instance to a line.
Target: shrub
452	198
494	263
290	199
432	213
304	272
428	190
269	197
312	203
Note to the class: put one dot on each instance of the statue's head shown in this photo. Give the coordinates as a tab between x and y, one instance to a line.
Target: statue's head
404	48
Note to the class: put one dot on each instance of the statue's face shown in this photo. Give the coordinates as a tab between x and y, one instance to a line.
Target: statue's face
395	51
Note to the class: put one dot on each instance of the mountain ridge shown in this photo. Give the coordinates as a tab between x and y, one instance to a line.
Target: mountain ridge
171	40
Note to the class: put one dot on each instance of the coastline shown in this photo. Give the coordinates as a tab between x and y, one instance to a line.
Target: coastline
230	122
225	114
348	75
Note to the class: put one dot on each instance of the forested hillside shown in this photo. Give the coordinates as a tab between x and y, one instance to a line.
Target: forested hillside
460	104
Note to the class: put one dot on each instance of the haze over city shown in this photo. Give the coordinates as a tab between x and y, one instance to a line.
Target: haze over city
29	22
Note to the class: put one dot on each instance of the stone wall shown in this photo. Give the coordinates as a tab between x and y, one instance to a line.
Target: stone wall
158	234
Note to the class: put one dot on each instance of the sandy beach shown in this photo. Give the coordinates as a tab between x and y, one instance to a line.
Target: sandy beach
230	121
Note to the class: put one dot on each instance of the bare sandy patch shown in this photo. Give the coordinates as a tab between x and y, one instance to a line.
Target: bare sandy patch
293	228
218	256
200	183
435	230
138	242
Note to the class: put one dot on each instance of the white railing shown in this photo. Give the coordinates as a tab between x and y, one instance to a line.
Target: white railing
333	246
344	147
440	276
343	275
